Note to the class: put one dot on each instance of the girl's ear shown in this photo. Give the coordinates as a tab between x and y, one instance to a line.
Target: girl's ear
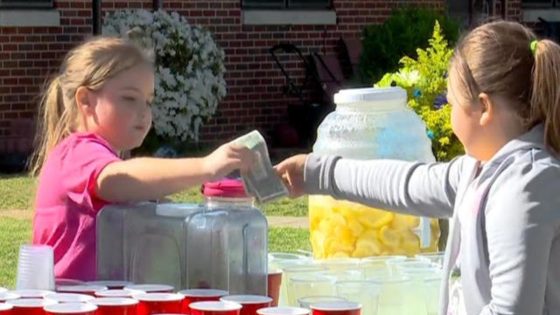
486	109
84	100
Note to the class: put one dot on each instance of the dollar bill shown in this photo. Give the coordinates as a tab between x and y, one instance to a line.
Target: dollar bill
261	181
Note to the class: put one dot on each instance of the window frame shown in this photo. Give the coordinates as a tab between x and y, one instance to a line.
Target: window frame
22	5
288	5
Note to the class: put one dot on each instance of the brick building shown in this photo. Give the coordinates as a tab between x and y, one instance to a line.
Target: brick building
35	35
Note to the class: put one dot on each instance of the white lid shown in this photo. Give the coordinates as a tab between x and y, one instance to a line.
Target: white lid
369	95
5	307
69	297
71	308
204	292
215	306
286	310
336	306
247	299
158	297
118	293
31	303
110	301
150	287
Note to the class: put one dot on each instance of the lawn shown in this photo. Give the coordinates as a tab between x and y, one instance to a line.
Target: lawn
16	213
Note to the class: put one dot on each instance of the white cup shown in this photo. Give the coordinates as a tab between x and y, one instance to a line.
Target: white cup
35	268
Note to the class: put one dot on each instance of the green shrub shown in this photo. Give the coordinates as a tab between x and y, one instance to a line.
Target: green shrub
425	79
404	31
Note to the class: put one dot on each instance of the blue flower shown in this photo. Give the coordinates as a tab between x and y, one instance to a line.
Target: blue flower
417	93
430	134
439	101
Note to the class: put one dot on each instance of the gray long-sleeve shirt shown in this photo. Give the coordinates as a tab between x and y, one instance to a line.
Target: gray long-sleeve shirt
509	244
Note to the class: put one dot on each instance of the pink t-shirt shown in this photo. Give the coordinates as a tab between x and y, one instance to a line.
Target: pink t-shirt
66	205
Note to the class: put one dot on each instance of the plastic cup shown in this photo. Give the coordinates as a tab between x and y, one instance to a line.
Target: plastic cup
309	285
435	258
69	297
294	270
35	268
71	309
274	284
155	303
215	308
307	301
376	266
31	294
151	288
5	309
30	306
116	306
336	308
200	295
365	293
432	286
110	284
118	293
81	289
8	296
286	310
250	303
395	296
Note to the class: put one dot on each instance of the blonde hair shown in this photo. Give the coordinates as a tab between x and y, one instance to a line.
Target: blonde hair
497	58
88	65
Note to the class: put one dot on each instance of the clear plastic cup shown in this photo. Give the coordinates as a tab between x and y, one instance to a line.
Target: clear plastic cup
377	266
395	296
35	268
435	258
303	285
71	309
306	301
432	287
116	306
362	292
293	270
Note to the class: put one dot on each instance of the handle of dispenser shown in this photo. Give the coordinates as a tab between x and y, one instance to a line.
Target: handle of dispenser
424	232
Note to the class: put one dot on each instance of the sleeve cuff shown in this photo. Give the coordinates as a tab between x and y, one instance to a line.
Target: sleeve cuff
318	175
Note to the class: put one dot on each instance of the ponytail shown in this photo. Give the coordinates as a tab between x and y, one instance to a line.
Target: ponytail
51	127
545	96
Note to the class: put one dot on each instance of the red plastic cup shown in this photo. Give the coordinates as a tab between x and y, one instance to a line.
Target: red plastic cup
200	295
336	308
250	303
81	289
156	303
283	311
151	288
118	293
111	284
215	308
8	296
71	309
69	297
31	294
30	306
5	309
116	306
274	282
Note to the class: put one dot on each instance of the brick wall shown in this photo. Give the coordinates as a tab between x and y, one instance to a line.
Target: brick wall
255	97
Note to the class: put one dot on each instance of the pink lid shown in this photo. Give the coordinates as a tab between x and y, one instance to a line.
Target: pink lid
232	188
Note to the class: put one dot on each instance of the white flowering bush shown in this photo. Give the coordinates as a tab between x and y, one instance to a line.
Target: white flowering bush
189	68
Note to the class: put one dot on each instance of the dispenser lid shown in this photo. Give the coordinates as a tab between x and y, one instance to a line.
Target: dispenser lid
227	187
369	94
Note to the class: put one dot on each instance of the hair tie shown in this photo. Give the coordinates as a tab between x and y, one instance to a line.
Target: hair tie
533	46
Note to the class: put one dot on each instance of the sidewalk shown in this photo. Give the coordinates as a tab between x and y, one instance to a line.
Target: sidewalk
293	222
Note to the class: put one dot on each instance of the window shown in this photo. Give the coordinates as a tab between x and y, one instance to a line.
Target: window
286	4
26	4
539	3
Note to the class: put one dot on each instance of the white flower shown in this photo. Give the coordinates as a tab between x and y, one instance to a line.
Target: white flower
186	94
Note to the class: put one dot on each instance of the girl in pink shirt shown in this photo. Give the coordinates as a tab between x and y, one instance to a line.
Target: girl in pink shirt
96	107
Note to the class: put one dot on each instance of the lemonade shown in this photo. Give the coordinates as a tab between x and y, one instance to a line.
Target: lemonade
341	229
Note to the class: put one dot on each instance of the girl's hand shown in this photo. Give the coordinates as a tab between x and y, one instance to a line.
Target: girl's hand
226	159
291	172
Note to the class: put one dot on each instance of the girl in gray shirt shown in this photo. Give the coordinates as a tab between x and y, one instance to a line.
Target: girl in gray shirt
502	196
